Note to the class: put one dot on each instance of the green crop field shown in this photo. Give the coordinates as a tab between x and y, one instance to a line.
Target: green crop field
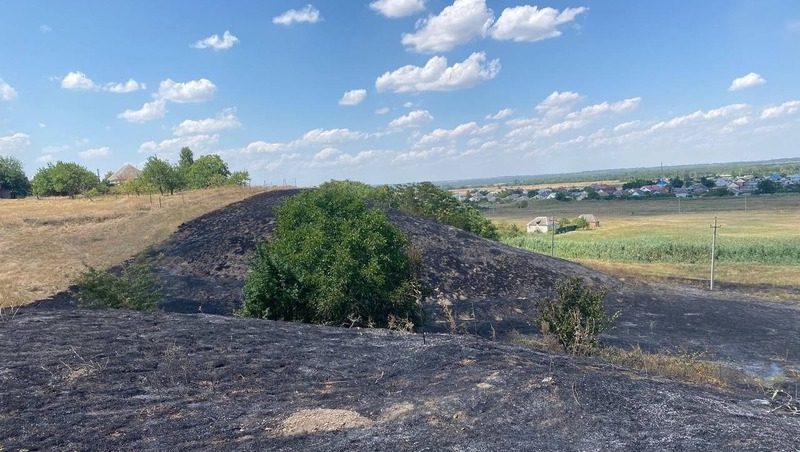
758	244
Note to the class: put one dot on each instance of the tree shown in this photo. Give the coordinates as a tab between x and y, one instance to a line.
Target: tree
239	178
63	179
186	159
160	175
208	171
677	182
708	182
333	260
766	186
13	178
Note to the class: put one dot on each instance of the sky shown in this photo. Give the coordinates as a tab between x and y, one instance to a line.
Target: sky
392	91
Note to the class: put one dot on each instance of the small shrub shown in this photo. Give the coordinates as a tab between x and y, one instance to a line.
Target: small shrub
135	288
575	316
334	260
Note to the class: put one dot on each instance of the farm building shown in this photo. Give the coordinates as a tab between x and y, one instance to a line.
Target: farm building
124	174
591	221
542	224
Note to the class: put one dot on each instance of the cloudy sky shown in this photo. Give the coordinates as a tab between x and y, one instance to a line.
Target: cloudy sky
400	90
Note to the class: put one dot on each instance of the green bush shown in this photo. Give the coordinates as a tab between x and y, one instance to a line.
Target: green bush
135	288
575	316
13	178
333	260
63	179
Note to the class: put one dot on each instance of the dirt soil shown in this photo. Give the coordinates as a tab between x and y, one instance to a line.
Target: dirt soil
491	290
112	380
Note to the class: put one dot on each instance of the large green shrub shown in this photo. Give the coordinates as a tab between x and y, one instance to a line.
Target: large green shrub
13	178
576	316
63	179
333	260
135	288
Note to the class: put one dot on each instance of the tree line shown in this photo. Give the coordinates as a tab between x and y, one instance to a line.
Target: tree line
72	179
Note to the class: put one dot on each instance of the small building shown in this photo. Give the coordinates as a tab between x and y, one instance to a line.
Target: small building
125	174
591	221
543	225
681	192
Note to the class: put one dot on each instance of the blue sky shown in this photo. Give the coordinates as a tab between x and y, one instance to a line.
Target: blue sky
400	90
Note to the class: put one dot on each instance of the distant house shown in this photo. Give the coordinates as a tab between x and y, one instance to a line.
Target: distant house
697	189
542	224
681	192
591	220
125	174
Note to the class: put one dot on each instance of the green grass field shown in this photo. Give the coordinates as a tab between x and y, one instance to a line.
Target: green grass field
759	246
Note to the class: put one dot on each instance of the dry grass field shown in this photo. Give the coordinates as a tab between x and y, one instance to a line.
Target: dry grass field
765	238
45	244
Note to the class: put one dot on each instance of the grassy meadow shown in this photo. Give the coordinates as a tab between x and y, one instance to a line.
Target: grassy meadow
758	247
45	244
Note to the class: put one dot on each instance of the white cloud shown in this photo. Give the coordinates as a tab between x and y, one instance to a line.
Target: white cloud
46	158
14	142
77	81
215	42
529	23
437	76
186	92
455	133
626	125
698	116
558	103
382	110
173	145
329	157
415	118
7	92
309	14
353	97
223	121
325	136
592	111
326	154
783	109
127	87
104	151
149	111
45	28
262	147
746	81
397	8
457	24
502	114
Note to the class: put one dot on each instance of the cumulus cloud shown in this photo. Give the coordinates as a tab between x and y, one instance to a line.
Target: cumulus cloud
326	136
697	116
173	145
149	111
591	111
326	154
309	15
216	42
382	110
558	103
126	87
45	158
397	8
786	108
502	114
104	151
457	24
530	24
353	97
77	81
14	142
186	92
223	121
7	92
416	118
436	75
746	81
262	147
455	133
333	157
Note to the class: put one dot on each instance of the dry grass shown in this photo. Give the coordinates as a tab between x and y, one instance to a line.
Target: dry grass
45	244
688	367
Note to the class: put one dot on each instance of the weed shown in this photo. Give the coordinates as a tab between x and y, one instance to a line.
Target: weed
135	288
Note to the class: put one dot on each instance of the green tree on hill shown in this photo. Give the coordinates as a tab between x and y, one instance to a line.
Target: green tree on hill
63	179
766	186
13	178
208	171
160	175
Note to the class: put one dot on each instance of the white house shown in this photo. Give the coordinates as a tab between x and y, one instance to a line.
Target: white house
542	224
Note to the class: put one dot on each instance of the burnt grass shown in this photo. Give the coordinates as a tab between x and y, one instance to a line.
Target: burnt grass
183	379
110	380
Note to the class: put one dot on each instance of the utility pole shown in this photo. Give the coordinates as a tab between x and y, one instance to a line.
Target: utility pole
714	227
553	236
679	204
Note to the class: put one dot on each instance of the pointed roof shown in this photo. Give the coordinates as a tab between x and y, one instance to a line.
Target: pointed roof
126	173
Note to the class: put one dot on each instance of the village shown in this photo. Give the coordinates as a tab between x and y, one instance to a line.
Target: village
718	185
